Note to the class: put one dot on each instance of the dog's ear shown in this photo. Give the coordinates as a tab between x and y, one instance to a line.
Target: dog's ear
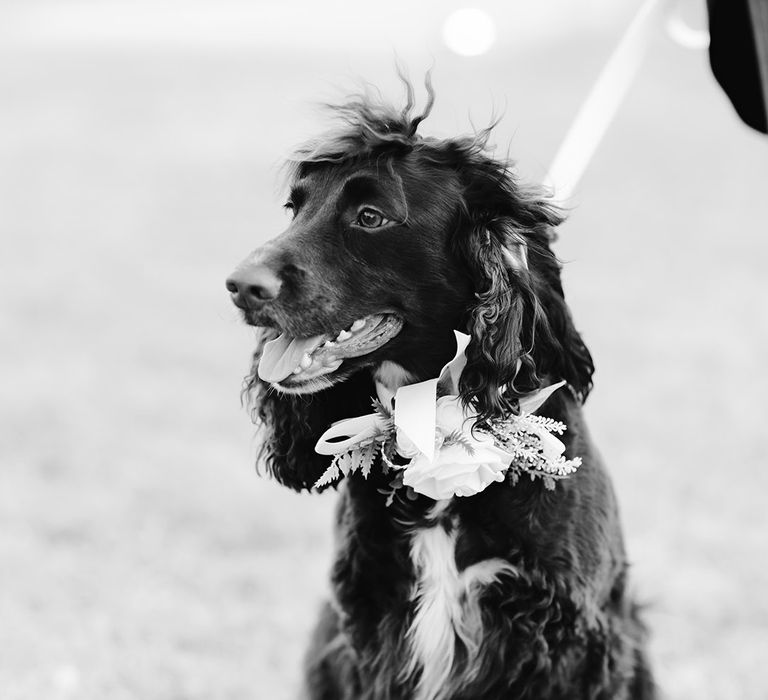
289	425
522	331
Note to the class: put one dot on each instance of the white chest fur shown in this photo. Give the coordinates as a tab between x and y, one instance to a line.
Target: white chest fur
447	609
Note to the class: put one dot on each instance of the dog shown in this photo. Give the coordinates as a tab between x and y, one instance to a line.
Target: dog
506	589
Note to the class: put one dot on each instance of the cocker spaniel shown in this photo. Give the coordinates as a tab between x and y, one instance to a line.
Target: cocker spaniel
497	574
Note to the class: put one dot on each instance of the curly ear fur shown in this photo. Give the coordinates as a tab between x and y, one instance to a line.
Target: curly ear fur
522	332
291	424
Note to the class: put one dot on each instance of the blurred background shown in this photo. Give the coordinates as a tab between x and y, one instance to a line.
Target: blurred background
141	556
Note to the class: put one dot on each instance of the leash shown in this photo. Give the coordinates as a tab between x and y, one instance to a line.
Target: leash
603	101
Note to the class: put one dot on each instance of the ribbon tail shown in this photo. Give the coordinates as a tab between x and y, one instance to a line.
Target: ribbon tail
456	366
534	401
344	435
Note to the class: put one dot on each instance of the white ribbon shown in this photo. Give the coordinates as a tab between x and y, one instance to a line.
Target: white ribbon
343	435
415	404
532	402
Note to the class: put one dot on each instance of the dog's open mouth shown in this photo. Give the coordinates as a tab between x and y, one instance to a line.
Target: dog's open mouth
291	362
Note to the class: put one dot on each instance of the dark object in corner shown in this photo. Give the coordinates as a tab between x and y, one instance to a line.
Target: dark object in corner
738	53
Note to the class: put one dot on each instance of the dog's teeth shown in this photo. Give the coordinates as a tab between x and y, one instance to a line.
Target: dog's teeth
328	344
357	325
344	335
306	362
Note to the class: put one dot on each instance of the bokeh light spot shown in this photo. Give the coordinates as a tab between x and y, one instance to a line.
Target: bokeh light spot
469	32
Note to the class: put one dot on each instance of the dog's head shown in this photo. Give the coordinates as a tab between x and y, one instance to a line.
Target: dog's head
395	241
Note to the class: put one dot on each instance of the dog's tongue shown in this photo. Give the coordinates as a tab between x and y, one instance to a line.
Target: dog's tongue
282	355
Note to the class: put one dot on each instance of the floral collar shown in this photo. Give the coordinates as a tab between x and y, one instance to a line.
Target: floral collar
429	440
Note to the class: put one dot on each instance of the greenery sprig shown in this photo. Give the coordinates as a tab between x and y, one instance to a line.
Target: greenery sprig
521	436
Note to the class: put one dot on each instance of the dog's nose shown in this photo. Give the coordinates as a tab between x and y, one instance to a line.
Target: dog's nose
251	285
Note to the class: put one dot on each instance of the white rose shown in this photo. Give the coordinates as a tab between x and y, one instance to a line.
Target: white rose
456	472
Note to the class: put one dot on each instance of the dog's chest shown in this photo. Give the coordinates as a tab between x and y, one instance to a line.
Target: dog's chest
445	635
415	618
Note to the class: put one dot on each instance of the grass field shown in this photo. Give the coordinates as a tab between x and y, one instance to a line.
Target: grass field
141	556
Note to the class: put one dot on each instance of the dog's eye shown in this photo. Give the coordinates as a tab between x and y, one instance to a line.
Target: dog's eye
368	217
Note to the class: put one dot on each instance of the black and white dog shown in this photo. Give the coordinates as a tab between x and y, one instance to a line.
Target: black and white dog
519	590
